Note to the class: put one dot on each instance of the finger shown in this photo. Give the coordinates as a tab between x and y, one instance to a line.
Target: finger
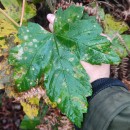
85	64
51	27
80	4
77	4
51	18
88	66
106	66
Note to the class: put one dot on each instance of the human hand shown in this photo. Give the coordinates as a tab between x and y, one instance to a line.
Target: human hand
94	71
51	18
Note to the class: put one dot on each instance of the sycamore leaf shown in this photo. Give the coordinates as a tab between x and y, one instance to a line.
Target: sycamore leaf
14	7
31	106
5	73
112	26
121	45
32	57
57	55
101	13
83	35
8	39
5	69
6	28
3	46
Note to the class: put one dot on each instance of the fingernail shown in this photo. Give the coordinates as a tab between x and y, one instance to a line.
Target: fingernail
49	16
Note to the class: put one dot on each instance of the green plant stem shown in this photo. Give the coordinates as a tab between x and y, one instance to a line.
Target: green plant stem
22	14
7	16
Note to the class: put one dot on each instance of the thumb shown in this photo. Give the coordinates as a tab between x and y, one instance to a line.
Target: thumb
51	18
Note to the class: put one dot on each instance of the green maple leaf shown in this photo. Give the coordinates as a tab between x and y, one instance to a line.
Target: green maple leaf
121	47
57	55
14	8
111	26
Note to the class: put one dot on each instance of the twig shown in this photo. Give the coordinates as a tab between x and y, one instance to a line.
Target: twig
102	2
7	16
22	14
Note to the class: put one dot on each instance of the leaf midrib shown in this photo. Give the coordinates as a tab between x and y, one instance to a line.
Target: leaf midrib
62	70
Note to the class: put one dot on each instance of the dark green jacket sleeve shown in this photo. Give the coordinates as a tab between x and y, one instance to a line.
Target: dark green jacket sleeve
109	107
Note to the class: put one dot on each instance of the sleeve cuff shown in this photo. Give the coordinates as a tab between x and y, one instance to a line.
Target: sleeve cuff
104	83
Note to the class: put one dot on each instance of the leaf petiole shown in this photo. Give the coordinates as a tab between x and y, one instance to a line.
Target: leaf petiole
22	13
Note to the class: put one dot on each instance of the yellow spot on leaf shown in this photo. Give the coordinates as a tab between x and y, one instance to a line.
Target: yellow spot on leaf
48	102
